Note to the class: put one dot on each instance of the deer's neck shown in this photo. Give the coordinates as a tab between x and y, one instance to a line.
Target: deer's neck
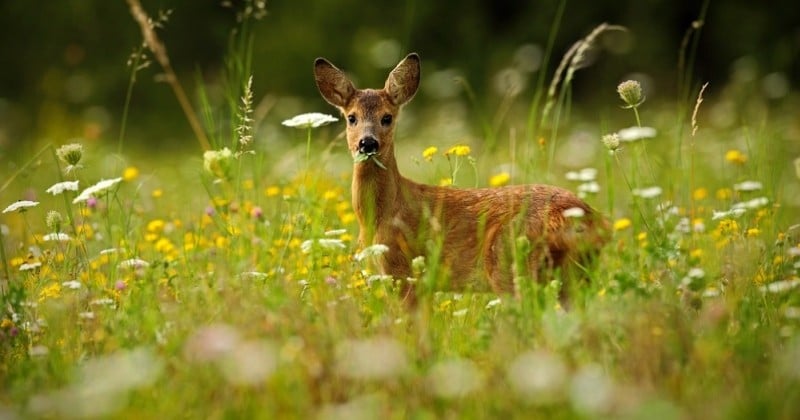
376	191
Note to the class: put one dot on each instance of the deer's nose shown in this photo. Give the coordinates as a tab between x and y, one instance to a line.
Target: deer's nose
368	145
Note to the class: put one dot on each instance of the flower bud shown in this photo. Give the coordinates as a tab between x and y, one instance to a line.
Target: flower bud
53	221
70	154
611	141
631	93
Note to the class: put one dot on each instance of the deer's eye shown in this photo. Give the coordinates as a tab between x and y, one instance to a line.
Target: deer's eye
386	120
351	119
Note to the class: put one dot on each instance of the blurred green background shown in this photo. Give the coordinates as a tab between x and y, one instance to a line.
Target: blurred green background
65	76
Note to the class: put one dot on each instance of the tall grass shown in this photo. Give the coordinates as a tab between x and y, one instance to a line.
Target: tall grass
254	300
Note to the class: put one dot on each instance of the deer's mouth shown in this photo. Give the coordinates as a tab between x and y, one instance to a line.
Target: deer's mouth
360	157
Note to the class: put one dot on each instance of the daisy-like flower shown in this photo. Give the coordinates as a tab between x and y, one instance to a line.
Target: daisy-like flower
96	189
632	134
21	206
60	187
309	120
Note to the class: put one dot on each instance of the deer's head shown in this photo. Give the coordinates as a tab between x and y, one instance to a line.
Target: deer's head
370	113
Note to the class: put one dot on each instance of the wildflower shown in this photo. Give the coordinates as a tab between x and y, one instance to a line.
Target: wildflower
94	190
632	134
429	152
622	223
60	187
21	206
133	263
308	245
458	150
28	266
494	302
699	194
500	179
53	221
736	156
649	192
591	187
130	173
751	204
723	194
752	232
218	163
611	141
256	212
781	286
56	236
573	212
157	193
309	120
70	154
51	291
584	175
72	284
747	186
371	251
461	312
272	191
630	91
446	182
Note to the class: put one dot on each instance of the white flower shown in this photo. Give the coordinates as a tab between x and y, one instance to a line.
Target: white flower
336	232
590	187
30	266
310	120
86	315
649	192
725	214
696	273
21	206
371	251
494	302
461	312
781	285
102	302
60	187
575	212
632	134
56	236
134	263
584	175
95	189
748	186
307	245
72	284
752	204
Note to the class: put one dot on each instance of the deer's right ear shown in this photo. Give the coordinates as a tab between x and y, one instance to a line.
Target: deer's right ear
332	83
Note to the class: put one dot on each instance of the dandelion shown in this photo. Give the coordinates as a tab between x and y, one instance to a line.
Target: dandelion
20	206
621	224
735	156
611	141
498	180
96	189
309	120
60	187
630	91
748	186
632	134
130	173
458	150
584	175
429	152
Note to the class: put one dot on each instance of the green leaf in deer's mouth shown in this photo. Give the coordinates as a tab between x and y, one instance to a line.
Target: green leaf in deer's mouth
363	157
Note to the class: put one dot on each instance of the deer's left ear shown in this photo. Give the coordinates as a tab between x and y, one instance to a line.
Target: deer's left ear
403	81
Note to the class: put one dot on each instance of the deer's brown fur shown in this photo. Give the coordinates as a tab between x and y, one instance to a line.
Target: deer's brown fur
477	228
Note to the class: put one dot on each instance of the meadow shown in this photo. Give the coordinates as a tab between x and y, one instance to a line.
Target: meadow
228	282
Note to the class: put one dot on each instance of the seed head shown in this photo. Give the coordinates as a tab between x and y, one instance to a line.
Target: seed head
611	141
53	221
70	154
631	93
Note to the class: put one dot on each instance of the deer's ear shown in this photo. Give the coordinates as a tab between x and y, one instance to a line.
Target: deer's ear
332	83
403	81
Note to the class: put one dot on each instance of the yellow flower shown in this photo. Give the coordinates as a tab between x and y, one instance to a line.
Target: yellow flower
458	150
753	232
272	191
130	173
157	193
696	254
724	194
500	179
428	153
247	184
444	182
700	194
735	156
622	223
155	225
53	290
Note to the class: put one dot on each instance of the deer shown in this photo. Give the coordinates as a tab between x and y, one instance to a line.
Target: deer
478	229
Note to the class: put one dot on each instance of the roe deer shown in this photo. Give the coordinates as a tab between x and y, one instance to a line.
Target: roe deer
476	228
